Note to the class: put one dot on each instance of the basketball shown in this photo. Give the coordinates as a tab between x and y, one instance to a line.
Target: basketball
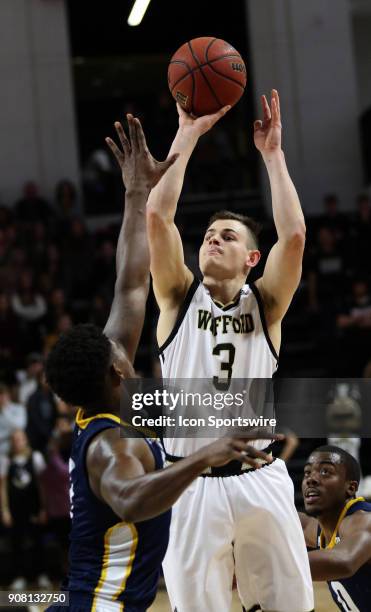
206	74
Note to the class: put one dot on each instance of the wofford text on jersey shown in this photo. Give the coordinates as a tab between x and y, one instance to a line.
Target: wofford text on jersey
244	324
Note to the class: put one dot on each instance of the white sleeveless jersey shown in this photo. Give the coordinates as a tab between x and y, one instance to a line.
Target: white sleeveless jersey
217	343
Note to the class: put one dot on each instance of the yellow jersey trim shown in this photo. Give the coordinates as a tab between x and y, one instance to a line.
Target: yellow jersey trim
332	542
83	422
103	574
129	567
105	564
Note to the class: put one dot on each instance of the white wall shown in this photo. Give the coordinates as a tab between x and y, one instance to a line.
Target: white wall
37	124
304	49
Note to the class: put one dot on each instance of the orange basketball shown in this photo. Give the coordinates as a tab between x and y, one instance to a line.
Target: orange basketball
206	74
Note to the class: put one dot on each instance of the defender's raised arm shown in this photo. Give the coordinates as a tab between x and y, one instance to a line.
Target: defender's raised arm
140	173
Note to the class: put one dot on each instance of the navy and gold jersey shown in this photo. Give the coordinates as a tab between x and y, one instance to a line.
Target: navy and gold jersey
351	594
114	565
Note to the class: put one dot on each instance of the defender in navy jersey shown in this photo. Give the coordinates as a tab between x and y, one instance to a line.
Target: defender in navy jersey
338	524
120	496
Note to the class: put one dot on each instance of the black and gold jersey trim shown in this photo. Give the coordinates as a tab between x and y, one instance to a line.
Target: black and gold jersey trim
230	305
182	313
259	300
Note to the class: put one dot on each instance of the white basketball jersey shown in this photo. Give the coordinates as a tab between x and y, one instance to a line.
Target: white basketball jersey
217	343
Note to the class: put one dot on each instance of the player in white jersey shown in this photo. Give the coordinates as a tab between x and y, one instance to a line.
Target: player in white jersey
234	520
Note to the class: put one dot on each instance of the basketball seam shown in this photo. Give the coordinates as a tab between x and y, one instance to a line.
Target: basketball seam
208	47
184	77
204	75
228	78
193	70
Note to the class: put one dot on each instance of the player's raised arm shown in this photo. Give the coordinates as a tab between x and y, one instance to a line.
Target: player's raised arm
140	173
283	268
171	278
351	553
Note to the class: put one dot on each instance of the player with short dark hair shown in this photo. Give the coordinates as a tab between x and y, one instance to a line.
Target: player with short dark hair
339	524
252	226
223	330
120	496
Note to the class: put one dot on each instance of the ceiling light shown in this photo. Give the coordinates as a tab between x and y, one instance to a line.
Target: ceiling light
138	12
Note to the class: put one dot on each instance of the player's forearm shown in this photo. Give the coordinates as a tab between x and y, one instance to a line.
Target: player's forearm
164	197
150	495
287	213
329	565
132	256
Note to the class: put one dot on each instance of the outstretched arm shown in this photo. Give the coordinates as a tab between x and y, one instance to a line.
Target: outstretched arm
283	268
345	559
140	172
171	277
121	472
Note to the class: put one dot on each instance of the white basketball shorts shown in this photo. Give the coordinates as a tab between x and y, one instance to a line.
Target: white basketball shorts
245	525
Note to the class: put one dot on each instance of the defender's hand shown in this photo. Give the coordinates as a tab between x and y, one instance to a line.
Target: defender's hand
139	169
267	133
199	125
224	450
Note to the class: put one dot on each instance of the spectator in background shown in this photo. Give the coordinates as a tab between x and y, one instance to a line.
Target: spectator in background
53	264
362	234
23	510
41	416
326	273
105	268
4	251
17	264
6	216
30	380
358	310
79	257
57	307
30	307
9	335
63	324
333	219
32	207
55	482
353	324
37	247
12	417
27	303
66	204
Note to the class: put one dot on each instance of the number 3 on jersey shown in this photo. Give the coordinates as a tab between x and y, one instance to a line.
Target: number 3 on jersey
223	383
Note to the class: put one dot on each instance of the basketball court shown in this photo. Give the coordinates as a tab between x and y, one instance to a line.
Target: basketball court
323	601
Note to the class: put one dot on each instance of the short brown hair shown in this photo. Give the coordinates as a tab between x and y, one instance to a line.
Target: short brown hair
253	227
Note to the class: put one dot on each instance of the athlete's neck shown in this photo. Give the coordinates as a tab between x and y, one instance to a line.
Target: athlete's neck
225	290
108	405
329	520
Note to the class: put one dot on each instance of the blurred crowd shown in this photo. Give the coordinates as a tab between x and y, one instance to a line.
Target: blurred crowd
54	273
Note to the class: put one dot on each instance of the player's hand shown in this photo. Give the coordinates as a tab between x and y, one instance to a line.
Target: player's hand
139	169
199	125
267	133
224	450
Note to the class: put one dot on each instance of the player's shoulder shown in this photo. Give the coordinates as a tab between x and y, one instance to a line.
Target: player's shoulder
114	440
360	519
